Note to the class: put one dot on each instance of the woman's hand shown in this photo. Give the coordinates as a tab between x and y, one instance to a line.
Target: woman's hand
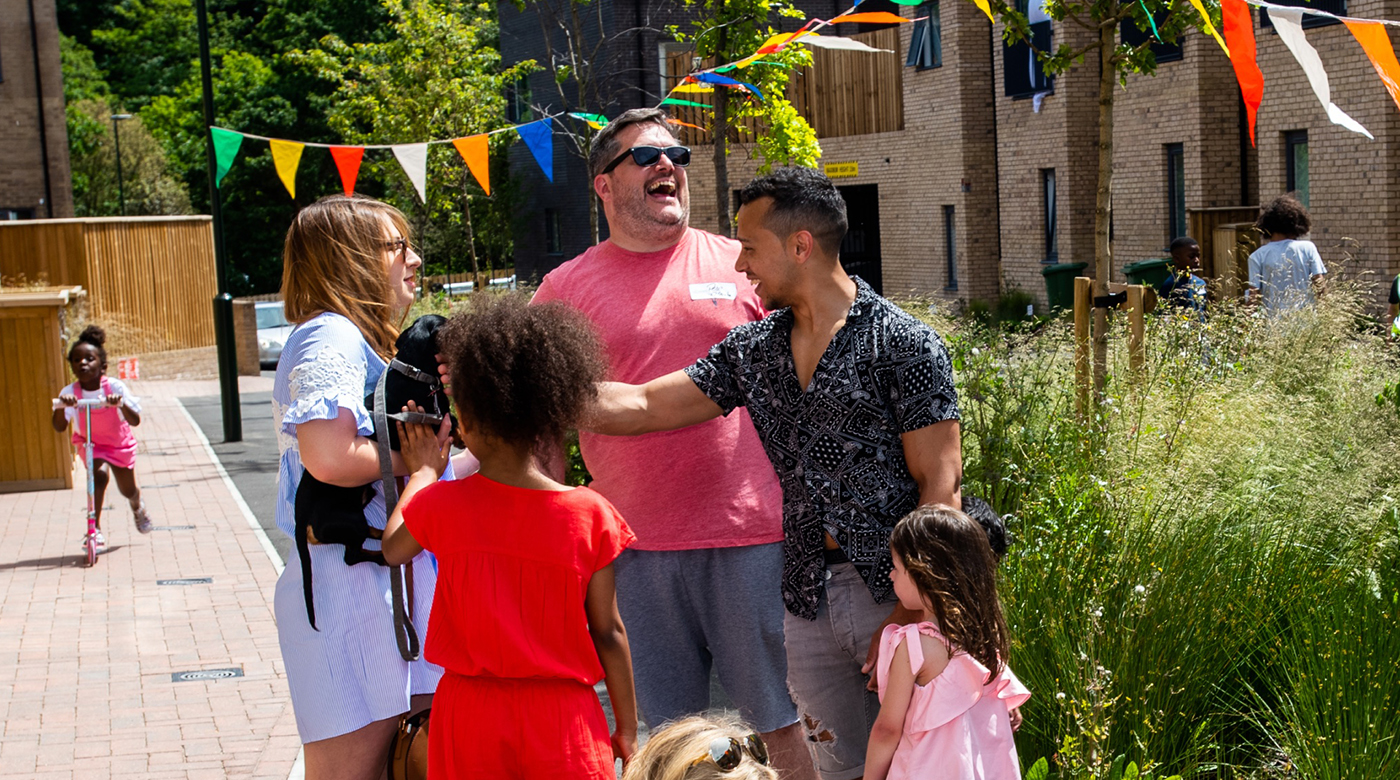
624	745
421	446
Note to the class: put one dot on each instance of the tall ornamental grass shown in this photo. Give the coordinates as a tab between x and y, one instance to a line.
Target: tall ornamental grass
1203	579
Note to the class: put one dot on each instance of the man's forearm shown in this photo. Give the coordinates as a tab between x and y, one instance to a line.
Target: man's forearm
621	410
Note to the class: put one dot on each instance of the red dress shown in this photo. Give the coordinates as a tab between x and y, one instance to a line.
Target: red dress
508	627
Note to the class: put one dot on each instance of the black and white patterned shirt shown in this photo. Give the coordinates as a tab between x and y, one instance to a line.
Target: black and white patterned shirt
836	447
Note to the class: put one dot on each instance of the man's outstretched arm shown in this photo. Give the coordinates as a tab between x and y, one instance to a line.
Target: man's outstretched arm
663	404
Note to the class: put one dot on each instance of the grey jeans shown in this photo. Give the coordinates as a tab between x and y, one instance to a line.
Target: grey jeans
824	659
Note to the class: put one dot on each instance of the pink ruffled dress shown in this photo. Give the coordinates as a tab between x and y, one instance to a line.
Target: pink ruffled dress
958	727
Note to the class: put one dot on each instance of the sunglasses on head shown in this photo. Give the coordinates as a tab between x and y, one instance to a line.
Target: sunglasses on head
727	752
647	156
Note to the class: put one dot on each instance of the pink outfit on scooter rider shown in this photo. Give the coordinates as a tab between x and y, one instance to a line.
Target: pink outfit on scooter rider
112	439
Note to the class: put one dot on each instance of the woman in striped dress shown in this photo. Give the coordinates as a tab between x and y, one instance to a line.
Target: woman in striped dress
347	280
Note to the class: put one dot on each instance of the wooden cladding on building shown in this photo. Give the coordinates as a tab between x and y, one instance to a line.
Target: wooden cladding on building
32	455
842	93
149	280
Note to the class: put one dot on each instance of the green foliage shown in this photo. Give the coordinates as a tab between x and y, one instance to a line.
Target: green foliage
147	185
1203	578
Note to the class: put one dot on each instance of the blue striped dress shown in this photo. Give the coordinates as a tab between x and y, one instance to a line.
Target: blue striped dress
349	673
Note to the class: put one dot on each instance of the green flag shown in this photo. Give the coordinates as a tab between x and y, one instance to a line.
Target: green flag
680	102
226	143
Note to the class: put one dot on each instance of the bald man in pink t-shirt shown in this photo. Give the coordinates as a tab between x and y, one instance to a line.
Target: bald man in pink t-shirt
701	588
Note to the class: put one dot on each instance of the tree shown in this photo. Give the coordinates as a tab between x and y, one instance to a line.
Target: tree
1101	20
727	31
147	185
438	76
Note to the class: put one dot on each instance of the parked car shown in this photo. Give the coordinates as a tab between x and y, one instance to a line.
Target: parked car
273	330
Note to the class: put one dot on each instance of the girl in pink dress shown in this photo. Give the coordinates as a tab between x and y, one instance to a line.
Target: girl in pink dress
946	693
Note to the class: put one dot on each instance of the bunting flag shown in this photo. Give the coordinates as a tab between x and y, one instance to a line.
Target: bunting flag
725	81
226	144
985	8
1376	44
347	162
539	139
413	158
1239	33
873	17
833	42
286	156
680	102
475	152
1210	27
595	121
686	124
1288	22
1150	21
701	88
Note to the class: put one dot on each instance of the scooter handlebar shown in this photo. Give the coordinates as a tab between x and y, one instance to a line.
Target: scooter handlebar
82	402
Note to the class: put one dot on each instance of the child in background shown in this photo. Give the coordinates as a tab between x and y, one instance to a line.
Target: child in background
1286	272
702	748
113	445
946	693
525	618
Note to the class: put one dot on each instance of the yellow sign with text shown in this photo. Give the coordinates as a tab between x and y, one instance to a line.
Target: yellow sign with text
841	170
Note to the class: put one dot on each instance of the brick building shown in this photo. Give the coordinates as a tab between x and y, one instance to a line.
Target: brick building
34	181
990	171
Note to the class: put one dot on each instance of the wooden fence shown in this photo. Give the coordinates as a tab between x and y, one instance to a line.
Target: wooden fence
32	455
1201	225
150	280
840	93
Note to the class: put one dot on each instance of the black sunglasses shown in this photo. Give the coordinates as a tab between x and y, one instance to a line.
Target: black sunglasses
727	752
647	156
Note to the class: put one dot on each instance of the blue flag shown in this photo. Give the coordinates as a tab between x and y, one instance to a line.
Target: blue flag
539	138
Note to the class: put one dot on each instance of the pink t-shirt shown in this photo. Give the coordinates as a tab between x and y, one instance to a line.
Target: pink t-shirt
709	485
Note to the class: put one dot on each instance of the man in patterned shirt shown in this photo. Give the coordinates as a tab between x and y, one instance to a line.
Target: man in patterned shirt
854	403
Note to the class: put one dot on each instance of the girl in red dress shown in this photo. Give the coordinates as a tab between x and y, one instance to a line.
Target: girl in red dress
524	618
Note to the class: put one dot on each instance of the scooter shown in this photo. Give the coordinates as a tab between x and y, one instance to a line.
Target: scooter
89	541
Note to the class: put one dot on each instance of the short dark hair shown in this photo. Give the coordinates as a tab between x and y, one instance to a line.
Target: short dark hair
525	374
803	199
1182	243
605	147
991	522
1286	215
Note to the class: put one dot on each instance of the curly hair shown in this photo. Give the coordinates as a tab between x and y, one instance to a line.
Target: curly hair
949	560
676	752
1286	216
524	374
94	336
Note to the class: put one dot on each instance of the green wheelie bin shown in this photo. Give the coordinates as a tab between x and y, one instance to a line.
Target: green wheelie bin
1059	283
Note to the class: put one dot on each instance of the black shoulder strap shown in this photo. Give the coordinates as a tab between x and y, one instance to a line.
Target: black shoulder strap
404	633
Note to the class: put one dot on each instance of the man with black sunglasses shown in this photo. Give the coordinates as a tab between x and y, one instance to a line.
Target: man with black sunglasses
700	590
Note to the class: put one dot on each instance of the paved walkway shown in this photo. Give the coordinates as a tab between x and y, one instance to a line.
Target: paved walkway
87	655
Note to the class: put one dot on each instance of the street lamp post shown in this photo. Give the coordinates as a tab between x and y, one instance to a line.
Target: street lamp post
116	136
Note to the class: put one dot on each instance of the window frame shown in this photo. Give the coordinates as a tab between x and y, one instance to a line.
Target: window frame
1292	140
1176	191
1050	207
950	242
1019	55
1130	35
518	110
553	234
929	29
1309	20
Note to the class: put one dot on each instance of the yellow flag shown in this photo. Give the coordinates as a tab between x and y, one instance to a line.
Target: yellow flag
1210	28
286	156
987	8
693	88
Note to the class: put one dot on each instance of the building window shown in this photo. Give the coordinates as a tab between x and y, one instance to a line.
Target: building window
1176	191
1131	35
1338	7
553	241
674	62
7	215
518	101
926	40
1047	187
950	239
1295	161
1023	75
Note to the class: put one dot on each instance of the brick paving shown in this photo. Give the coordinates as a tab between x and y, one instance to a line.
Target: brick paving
86	655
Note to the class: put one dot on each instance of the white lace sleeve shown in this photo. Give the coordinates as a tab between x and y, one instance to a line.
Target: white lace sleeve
323	385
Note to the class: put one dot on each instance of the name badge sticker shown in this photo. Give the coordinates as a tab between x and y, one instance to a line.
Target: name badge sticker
714	291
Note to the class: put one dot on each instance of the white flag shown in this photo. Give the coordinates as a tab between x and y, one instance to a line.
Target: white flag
413	158
1289	24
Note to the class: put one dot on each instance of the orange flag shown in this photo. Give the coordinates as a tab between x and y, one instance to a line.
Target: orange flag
475	152
872	17
1372	37
1239	34
347	161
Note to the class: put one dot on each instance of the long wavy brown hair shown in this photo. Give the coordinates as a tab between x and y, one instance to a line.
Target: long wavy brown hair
950	561
333	261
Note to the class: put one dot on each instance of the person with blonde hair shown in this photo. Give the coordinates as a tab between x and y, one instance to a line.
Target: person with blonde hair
702	748
348	279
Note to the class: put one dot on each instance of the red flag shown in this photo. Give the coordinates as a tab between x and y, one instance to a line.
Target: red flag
1239	35
347	161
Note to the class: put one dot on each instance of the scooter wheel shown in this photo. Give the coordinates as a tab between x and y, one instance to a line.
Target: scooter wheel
91	547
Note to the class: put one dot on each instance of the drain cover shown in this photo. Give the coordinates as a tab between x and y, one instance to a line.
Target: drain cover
187	581
172	528
207	674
